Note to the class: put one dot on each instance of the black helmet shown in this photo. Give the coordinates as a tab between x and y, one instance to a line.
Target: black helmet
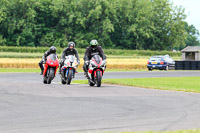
52	49
71	44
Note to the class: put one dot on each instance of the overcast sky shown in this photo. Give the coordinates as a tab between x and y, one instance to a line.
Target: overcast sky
192	9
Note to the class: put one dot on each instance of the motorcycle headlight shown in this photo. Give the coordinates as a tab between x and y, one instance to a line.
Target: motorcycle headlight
103	63
67	63
93	64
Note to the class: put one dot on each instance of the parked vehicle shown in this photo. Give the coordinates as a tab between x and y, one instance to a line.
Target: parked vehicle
160	62
96	70
50	68
69	69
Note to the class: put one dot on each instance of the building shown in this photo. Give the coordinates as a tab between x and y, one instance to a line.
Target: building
191	53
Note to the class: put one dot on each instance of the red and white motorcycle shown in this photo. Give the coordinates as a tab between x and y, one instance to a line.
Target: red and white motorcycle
96	70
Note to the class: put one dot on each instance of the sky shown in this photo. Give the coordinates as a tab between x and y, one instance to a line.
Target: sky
192	10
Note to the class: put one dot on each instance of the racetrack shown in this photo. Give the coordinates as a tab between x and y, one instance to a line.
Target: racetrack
27	105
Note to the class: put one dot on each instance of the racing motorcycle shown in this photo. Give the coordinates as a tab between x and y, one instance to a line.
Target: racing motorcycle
96	70
50	68
68	70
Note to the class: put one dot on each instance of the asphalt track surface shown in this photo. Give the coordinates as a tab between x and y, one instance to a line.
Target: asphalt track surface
28	106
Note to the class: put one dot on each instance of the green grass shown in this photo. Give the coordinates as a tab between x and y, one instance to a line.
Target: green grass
39	55
186	84
20	55
179	131
113	52
16	70
24	55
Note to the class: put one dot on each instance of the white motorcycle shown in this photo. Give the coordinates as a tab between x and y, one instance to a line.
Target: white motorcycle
69	69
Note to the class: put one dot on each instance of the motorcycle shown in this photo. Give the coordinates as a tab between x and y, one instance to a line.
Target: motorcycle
96	70
69	69
50	68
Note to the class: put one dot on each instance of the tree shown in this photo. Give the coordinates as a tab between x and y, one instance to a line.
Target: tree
192	35
127	24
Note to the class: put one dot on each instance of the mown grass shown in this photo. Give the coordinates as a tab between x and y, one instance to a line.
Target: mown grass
37	70
39	55
179	131
15	70
82	50
23	55
186	84
20	55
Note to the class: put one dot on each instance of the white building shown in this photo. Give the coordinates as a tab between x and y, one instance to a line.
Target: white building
191	53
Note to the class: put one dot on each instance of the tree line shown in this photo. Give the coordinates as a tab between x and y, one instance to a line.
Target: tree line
124	24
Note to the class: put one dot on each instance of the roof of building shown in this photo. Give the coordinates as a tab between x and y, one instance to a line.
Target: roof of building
191	49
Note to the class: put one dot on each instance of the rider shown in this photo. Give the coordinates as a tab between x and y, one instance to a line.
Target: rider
51	50
70	50
93	49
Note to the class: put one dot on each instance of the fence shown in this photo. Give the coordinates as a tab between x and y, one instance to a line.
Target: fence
187	65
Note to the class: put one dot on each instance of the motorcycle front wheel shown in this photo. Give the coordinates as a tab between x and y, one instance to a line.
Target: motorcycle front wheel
98	78
50	73
69	76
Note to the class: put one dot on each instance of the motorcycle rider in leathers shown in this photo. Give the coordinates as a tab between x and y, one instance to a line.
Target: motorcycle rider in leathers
93	49
70	50
51	50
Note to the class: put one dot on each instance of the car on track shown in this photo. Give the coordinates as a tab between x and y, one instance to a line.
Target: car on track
160	62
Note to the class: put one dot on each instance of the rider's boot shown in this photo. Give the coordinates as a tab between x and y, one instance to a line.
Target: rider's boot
76	71
86	74
59	71
41	72
42	68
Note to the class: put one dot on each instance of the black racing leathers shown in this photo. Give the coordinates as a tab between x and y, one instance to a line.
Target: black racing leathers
44	57
89	53
67	52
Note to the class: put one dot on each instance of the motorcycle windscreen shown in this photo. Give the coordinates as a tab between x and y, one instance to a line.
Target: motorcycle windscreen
71	58
97	58
52	57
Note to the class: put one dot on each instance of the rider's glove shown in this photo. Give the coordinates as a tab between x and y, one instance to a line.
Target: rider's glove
44	61
78	62
87	63
62	61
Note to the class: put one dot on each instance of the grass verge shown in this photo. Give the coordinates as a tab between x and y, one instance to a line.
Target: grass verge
186	84
37	70
179	131
81	55
82	51
14	70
